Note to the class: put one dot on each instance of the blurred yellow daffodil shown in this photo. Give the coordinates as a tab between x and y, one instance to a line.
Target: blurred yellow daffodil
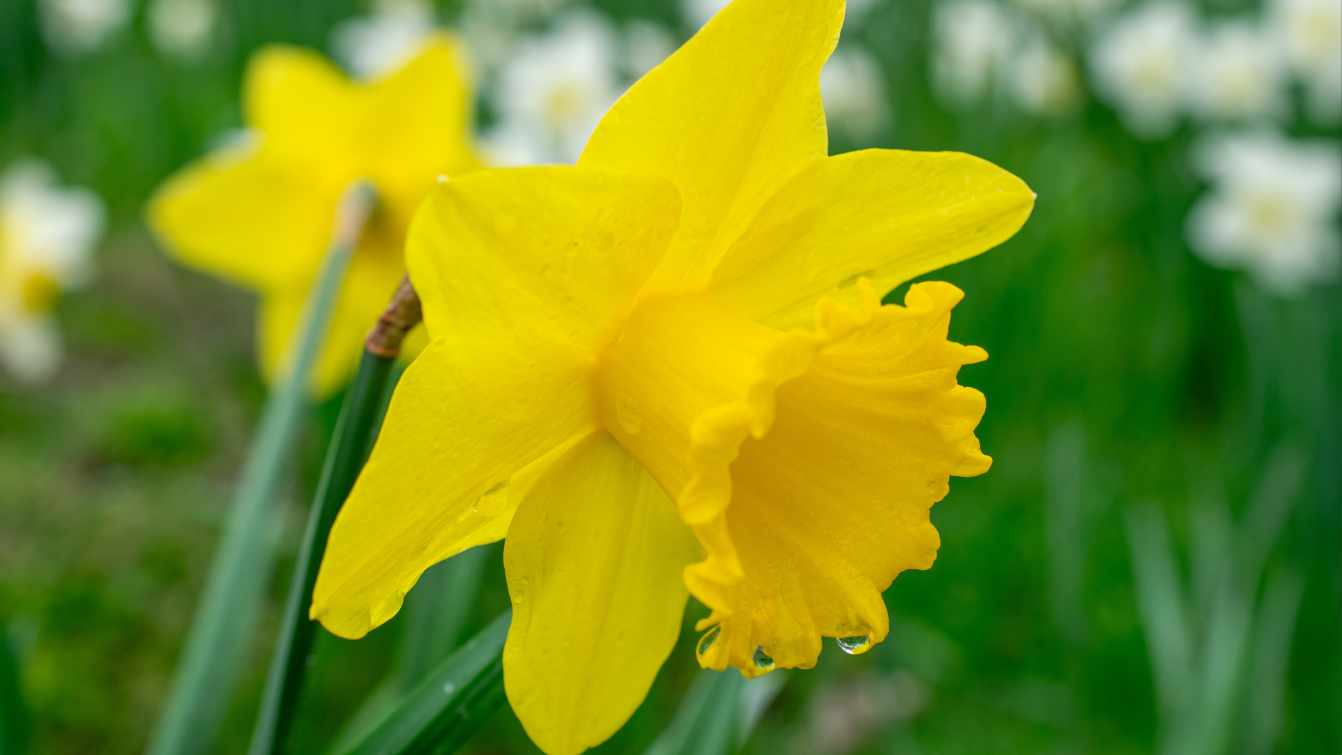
667	371
260	211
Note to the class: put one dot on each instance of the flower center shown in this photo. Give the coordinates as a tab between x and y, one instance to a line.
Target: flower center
678	360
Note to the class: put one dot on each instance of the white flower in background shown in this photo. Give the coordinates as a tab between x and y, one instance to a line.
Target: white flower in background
1236	73
47	235
491	28
1043	79
379	44
1272	209
1140	63
551	94
971	41
646	45
182	28
74	27
1310	33
490	36
853	90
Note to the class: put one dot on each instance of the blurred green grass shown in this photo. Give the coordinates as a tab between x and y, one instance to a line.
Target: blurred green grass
1122	370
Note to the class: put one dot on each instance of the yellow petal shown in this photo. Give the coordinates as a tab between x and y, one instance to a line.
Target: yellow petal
887	215
304	105
373	275
416	126
246	216
530	271
594	559
805	462
442	478
727	118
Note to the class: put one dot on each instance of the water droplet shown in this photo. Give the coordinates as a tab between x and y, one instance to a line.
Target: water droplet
449	688
630	415
710	637
854	645
762	660
494	500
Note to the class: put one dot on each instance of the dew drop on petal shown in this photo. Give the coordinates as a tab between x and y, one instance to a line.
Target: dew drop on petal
494	500
629	414
762	661
854	645
449	688
708	639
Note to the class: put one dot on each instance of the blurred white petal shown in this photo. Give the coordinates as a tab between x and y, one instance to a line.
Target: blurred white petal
182	28
1139	65
1236	73
45	228
1043	78
74	27
971	41
30	348
853	89
1272	208
379	44
558	85
646	45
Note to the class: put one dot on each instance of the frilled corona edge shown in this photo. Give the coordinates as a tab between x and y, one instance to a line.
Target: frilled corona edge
870	395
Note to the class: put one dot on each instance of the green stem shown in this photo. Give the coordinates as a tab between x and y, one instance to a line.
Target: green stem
353	439
235	588
349	450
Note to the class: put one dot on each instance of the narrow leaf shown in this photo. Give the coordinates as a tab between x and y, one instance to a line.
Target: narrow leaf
349	450
221	628
14	724
450	705
435	613
716	715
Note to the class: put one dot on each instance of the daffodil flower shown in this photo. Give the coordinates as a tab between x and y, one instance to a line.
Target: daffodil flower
667	371
260	211
47	236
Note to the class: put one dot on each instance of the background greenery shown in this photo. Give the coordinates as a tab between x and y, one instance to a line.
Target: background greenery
1123	372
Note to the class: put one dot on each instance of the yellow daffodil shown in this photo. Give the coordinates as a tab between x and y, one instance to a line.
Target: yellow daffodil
260	211
667	370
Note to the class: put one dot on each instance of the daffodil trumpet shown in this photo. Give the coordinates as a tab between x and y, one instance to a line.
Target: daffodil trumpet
236	586
667	371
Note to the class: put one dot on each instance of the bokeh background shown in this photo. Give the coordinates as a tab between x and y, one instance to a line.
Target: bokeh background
1153	564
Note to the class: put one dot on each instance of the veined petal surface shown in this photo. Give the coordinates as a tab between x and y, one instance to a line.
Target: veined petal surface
594	559
887	215
442	478
529	271
728	118
832	503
